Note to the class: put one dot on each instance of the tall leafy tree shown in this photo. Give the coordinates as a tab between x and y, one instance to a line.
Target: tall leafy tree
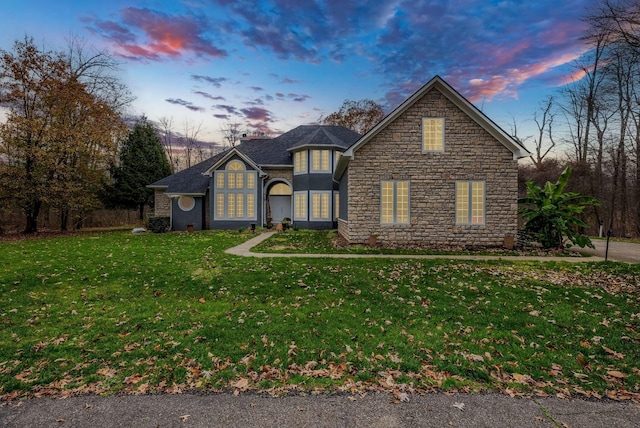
142	161
359	116
551	214
58	138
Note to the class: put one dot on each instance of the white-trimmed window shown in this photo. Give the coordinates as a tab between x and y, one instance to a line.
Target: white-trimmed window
432	134
300	162
235	193
394	202
300	206
320	206
186	203
336	205
470	202
320	161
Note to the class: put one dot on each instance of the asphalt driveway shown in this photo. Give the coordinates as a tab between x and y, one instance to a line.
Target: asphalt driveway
618	251
370	411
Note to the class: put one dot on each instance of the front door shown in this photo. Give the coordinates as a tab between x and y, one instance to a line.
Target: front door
280	207
280	202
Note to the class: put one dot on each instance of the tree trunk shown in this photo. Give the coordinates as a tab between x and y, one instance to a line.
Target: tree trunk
141	212
32	212
64	219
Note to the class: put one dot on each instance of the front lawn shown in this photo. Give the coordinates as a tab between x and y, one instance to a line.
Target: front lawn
121	313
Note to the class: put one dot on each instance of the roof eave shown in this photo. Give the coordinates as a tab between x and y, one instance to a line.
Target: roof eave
315	146
341	167
178	194
276	166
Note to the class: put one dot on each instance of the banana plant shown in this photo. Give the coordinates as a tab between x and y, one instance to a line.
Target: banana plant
553	215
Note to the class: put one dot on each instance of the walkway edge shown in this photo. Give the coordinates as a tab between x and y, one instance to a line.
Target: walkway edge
244	250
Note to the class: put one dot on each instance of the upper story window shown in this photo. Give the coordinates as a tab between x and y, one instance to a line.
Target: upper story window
300	162
235	166
432	134
320	161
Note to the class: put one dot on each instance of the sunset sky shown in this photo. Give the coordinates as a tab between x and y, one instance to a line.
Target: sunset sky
276	64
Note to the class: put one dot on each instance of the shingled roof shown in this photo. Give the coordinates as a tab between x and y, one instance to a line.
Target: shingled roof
263	152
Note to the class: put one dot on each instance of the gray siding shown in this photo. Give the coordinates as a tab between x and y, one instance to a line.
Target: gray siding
180	219
343	186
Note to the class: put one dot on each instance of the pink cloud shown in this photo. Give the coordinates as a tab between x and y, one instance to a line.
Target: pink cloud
506	85
152	35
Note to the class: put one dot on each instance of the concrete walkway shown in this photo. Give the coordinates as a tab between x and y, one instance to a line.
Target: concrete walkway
370	411
244	249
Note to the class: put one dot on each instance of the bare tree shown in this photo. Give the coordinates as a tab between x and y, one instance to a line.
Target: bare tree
97	71
620	19
544	142
603	111
231	133
168	137
359	116
191	132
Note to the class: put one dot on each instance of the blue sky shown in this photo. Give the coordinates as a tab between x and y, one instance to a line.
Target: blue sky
275	64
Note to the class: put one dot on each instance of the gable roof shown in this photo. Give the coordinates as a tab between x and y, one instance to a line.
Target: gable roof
228	155
259	153
518	150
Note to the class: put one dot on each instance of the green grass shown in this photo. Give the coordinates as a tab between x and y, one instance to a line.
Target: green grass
116	312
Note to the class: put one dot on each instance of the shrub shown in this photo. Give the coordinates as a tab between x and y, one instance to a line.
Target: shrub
158	224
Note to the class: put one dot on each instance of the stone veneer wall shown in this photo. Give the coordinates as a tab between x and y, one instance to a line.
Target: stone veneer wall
285	173
470	153
343	229
162	204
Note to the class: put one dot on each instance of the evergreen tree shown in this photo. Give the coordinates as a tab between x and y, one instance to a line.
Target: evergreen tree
142	162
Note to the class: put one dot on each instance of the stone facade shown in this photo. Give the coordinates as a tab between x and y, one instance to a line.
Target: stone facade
395	153
162	206
274	173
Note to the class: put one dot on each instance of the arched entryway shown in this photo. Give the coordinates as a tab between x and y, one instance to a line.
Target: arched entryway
279	202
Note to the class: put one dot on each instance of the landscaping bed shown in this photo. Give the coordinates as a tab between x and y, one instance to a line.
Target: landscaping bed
329	242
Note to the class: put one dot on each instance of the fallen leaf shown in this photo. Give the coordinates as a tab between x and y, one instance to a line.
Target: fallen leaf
402	397
132	380
201	300
242	384
616	374
459	406
616	355
390	381
520	378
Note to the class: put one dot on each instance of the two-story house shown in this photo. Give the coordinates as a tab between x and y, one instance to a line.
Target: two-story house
434	171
